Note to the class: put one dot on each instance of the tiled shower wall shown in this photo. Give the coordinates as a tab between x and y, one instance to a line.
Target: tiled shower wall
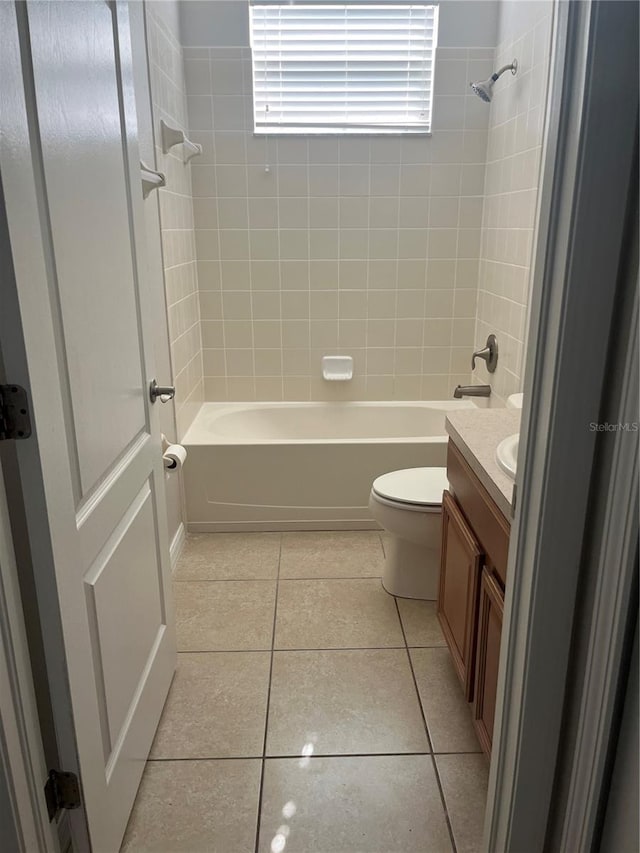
366	246
511	188
169	102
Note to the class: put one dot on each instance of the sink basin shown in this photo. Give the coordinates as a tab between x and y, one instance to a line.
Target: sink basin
507	454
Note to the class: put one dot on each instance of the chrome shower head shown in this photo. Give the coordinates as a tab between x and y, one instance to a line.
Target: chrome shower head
485	90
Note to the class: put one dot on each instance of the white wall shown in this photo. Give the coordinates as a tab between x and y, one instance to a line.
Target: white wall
155	271
222	23
266	322
166	71
511	188
363	246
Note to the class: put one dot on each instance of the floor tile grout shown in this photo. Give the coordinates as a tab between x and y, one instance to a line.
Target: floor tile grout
207	758
384	553
274	579
305	649
428	733
225	580
336	578
297	756
266	718
317	755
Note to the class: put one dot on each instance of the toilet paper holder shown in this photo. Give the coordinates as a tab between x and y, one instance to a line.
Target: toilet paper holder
173	455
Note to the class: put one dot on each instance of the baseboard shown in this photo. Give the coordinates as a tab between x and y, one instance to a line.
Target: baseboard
177	544
277	526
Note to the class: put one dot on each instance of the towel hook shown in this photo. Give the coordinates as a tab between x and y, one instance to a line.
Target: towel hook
174	136
151	180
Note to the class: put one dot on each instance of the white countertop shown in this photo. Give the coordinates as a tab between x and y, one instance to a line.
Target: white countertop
476	433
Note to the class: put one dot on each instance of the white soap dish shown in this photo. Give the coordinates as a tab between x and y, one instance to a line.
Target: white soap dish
337	368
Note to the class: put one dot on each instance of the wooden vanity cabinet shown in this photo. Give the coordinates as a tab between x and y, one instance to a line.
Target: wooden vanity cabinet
460	567
487	657
473	568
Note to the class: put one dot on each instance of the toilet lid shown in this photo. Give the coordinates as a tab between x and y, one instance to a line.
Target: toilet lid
421	486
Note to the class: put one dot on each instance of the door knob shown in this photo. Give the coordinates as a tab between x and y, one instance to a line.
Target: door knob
165	392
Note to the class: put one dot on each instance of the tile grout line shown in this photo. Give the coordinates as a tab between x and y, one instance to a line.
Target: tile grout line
384	552
426	728
271	580
266	719
304	649
224	580
288	757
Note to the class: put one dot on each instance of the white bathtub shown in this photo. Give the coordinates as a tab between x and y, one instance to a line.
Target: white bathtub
297	466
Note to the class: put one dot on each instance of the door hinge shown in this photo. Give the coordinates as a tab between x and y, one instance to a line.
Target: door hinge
62	791
15	421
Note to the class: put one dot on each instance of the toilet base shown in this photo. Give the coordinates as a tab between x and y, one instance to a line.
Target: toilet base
410	570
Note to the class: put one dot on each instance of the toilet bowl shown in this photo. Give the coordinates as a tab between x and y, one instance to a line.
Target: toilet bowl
408	504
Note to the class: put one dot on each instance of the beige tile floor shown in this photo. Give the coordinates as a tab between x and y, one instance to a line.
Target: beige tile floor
311	712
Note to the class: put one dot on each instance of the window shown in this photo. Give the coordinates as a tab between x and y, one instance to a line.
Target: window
342	67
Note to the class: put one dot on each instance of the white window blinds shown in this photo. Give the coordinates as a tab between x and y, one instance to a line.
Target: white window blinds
343	67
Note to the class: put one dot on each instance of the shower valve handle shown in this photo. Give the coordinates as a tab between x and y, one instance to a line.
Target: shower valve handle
489	353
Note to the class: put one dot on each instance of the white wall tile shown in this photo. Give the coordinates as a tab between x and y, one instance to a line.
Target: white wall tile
369	244
168	77
512	177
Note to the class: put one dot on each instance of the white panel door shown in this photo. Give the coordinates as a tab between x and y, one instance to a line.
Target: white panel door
84	309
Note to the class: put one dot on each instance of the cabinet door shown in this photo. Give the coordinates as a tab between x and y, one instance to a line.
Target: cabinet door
460	566
488	657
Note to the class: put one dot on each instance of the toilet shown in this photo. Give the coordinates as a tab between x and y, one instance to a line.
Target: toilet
408	504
